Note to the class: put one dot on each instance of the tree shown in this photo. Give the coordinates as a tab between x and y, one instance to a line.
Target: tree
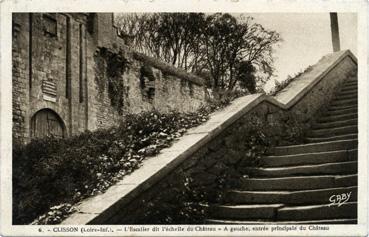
246	76
219	44
172	37
228	42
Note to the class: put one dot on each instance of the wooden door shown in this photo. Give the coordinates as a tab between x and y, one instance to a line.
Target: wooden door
46	123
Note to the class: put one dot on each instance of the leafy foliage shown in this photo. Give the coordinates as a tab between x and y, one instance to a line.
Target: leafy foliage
110	67
246	76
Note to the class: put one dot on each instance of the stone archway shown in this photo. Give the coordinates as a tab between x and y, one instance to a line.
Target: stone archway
47	123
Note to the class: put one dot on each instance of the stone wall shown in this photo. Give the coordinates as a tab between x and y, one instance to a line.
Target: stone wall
20	71
58	65
170	90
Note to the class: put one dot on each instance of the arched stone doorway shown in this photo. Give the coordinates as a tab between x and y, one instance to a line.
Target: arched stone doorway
47	123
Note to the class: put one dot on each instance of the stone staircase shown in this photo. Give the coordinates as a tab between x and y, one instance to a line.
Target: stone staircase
301	184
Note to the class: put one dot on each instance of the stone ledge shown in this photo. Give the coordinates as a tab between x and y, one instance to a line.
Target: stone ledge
97	209
169	69
298	88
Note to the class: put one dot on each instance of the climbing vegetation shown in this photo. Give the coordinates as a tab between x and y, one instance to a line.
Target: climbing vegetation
110	67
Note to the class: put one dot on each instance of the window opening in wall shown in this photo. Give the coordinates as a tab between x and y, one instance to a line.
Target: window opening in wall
50	24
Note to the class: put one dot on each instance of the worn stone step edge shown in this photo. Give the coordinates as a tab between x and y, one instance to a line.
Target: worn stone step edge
327	132
267	211
353	93
315	147
282	212
310	196
333	138
335	124
349	167
349	88
338	108
341	106
346	86
337	117
309	158
268	222
341	111
327	211
346	97
343	101
350	83
297	182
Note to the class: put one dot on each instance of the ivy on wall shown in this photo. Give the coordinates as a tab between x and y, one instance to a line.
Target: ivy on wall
109	69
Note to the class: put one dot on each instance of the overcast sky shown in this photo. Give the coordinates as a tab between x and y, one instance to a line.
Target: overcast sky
306	38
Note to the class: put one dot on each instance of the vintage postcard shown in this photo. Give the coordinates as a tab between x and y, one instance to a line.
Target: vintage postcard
183	118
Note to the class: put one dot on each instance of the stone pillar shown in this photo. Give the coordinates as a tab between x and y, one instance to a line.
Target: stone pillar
335	32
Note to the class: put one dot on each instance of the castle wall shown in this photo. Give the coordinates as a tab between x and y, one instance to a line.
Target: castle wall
65	62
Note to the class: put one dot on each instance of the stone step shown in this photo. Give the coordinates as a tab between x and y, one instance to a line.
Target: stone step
333	118
333	138
340	101
328	132
309	158
306	197
341	111
352	77
297	183
334	124
346	93
345	211
349	88
267	222
244	211
315	147
349	85
349	167
350	82
346	96
341	107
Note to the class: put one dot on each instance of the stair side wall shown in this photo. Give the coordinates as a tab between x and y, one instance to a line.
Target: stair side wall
318	98
203	172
